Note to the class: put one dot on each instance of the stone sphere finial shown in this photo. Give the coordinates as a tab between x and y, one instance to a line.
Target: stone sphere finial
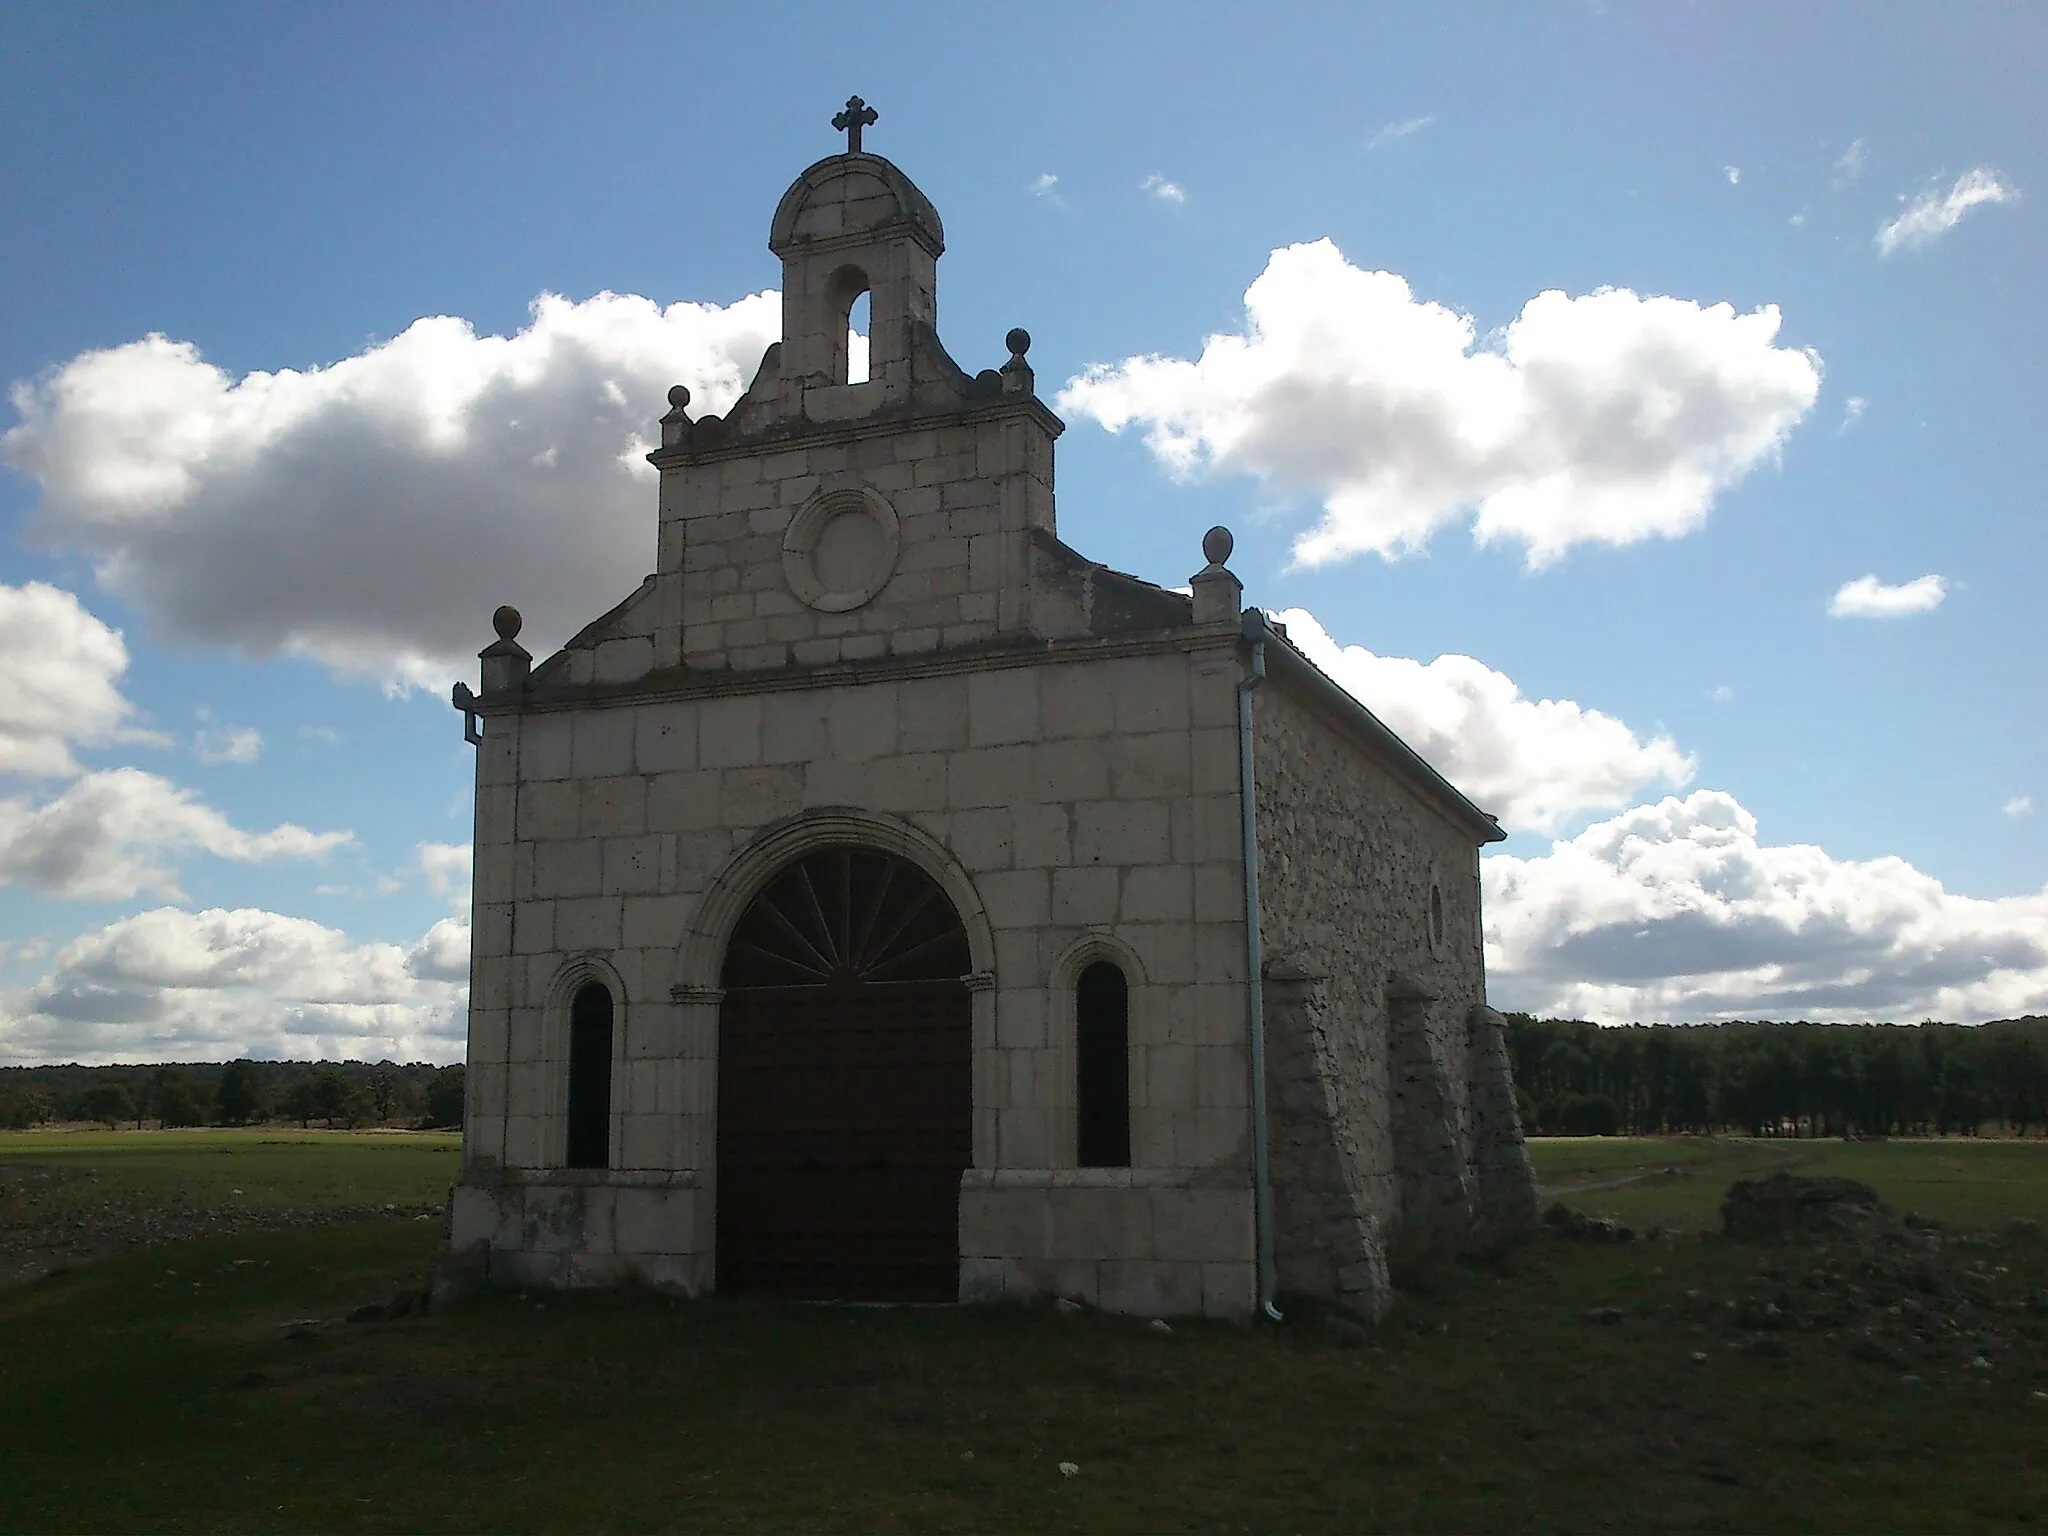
679	395
506	620
1018	341
1217	544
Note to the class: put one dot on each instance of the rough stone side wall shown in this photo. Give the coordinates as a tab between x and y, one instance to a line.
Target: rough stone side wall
1430	1157
1347	858
1504	1178
1328	1243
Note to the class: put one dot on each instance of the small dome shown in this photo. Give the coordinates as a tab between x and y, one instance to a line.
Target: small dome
845	197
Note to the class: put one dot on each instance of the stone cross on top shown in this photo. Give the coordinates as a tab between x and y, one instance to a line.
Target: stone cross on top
858	115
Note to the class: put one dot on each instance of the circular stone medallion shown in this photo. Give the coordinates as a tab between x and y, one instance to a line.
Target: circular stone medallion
841	549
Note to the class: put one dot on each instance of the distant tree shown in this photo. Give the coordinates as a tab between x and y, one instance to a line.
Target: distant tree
1590	1114
174	1099
107	1102
383	1091
239	1098
330	1094
301	1102
445	1097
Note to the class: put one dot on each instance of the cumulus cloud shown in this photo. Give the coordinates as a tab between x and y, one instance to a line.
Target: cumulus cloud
1678	912
1399	130
447	868
1934	213
1045	185
228	744
108	835
1534	763
1606	418
1852	412
171	985
1733	173
371	514
62	684
1166	191
1868	598
2019	805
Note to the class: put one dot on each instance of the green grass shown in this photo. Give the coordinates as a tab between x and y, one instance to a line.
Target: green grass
262	1169
160	1391
1968	1181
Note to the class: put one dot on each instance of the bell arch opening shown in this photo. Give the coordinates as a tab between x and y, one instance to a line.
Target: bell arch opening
849	302
845	1084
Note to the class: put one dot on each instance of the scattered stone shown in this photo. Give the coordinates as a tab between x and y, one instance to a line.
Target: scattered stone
1160	1325
1069	1469
1578	1227
1699	1357
1603	1315
967	1455
1789	1204
369	1312
1066	1306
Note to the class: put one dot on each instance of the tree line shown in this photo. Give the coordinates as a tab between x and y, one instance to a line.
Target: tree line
1780	1079
338	1094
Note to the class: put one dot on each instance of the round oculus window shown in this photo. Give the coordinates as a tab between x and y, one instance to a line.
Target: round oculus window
841	549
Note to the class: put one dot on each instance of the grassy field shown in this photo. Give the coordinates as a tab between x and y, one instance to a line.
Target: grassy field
267	1168
1589	1387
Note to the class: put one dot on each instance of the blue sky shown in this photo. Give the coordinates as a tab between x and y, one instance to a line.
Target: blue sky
1461	268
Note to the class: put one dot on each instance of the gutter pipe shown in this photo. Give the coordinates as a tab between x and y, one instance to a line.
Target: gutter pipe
1255	990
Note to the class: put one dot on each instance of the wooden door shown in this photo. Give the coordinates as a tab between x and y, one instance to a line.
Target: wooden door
845	1086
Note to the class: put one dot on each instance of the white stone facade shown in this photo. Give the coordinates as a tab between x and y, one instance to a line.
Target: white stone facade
863	631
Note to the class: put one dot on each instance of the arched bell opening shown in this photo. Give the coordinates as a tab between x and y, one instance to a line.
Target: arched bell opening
845	1084
847	296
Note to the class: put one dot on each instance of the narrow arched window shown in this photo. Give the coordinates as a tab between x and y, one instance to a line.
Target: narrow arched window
1102	1070
590	1077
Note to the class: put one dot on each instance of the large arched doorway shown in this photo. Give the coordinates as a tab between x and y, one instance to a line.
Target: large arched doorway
845	1085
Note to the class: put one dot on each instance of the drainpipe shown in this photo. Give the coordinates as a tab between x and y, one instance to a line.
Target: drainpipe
1262	1181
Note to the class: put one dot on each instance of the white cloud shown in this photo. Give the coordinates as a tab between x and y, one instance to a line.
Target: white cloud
321	735
1606	418
1045	185
1868	598
373	513
447	868
1166	191
2019	805
175	985
1852	412
106	836
61	685
1933	213
1850	165
228	744
1720	693
1677	912
1399	130
1534	763
1798	219
1733	173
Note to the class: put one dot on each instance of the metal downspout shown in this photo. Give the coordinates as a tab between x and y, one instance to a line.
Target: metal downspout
1255	991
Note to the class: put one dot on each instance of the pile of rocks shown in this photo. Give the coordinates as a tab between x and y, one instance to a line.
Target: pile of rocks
1789	1205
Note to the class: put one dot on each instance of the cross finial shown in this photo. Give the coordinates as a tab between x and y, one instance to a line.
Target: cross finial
858	115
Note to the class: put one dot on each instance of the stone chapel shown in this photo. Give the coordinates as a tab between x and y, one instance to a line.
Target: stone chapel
885	901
